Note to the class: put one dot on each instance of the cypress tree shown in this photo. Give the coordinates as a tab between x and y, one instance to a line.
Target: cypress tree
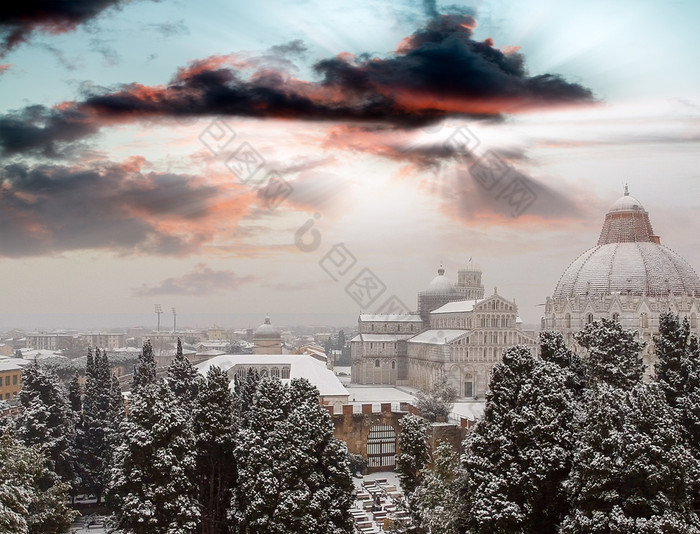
145	368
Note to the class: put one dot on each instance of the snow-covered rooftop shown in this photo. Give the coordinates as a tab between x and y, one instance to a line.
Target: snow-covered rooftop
437	337
381	338
9	366
301	366
392	318
459	306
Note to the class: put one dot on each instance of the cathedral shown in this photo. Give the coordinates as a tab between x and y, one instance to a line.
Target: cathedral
456	333
628	276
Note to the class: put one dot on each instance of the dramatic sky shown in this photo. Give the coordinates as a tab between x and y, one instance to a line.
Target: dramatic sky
315	159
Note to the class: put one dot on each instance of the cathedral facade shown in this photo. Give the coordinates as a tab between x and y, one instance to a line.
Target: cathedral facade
456	333
629	276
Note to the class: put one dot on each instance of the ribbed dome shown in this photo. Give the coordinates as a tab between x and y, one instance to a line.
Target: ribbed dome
638	268
267	331
440	285
627	203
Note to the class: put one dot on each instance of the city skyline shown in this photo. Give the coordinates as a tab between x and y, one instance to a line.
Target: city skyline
125	135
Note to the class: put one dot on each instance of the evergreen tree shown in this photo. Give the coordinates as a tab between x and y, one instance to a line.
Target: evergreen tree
672	355
75	392
46	420
519	453
214	429
341	340
244	391
292	474
96	424
151	482
145	368
614	355
553	349
32	499
437	498
183	379
631	469
414	456
436	402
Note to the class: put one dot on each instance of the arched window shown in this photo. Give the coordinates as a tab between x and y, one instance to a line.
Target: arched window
275	372
644	320
393	364
589	318
263	372
567	320
616	317
376	363
285	372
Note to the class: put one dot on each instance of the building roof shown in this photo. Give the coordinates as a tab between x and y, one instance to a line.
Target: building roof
458	306
267	331
440	285
438	337
381	338
629	259
9	366
301	366
390	318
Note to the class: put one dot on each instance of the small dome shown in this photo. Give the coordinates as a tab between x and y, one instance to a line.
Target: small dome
267	331
440	285
626	203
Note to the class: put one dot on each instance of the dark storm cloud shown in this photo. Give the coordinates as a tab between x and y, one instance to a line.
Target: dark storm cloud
437	72
52	208
18	20
202	281
292	48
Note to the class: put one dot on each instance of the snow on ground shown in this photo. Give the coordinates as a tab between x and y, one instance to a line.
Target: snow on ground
83	526
378	394
471	410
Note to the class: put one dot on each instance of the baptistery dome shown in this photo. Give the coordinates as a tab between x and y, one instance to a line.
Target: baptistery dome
440	285
629	276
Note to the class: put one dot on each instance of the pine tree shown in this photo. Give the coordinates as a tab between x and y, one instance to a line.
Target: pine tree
631	468
245	388
414	456
672	353
214	429
145	368
75	392
518	455
293	474
437	498
32	499
96	424
553	349
151	486
614	355
46	420
183	378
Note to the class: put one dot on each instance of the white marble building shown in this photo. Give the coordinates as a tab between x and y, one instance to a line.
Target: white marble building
628	276
450	336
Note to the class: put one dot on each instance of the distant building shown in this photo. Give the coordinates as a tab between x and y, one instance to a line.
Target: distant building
450	336
47	341
10	379
267	339
629	276
105	340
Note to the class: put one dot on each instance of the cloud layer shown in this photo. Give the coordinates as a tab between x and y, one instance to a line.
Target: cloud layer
439	71
202	281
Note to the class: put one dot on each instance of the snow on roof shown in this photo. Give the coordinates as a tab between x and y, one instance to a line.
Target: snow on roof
301	366
9	366
438	337
395	318
457	306
469	410
381	338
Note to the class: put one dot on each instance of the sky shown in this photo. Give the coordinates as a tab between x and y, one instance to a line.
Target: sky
312	160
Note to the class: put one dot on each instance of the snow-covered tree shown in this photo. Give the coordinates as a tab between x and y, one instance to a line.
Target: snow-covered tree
553	349
415	454
631	468
151	487
244	391
145	368
46	420
32	499
183	379
97	423
519	454
437	498
214	430
436	402
614	355
293	475
75	394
